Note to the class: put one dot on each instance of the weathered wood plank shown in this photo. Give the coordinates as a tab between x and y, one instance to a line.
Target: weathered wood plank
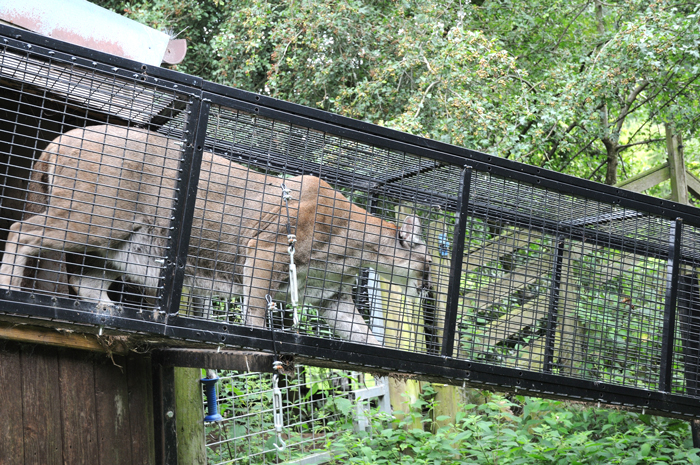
494	249
513	322
12	442
506	285
112	404
239	360
41	406
693	183
140	386
647	179
530	357
49	336
77	385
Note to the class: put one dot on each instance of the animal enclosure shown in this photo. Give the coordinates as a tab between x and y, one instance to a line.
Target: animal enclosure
139	200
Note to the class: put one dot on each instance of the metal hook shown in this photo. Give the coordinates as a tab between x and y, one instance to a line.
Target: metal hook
286	193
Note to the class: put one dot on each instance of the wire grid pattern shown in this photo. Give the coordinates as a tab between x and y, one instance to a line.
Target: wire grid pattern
336	238
312	402
686	351
45	107
125	99
583	297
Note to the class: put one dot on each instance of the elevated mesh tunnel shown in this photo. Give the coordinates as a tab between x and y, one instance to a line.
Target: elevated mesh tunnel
139	200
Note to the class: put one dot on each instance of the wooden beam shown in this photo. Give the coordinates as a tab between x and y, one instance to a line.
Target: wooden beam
52	337
238	360
693	183
647	179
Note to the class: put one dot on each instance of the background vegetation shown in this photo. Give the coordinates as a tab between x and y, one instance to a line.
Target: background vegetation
583	87
495	430
579	86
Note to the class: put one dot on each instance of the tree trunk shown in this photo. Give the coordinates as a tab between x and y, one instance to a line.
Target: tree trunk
612	153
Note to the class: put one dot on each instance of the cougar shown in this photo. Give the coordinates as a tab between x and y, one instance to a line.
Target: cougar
106	194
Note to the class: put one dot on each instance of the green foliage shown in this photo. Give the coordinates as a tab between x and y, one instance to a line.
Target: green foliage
571	86
502	430
522	431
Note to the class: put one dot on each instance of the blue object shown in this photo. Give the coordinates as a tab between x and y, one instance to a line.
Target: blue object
212	406
443	245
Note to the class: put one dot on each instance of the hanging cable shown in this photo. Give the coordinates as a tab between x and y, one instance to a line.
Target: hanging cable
277	366
292	240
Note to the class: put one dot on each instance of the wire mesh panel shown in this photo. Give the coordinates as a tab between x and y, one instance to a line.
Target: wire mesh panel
258	211
86	204
686	349
317	403
560	284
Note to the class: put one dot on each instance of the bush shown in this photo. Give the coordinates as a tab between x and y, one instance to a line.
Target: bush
521	430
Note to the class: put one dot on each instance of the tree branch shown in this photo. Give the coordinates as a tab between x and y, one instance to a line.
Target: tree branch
566	29
648	141
628	104
596	170
420	105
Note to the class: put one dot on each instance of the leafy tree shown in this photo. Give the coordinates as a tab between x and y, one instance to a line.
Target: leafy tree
555	84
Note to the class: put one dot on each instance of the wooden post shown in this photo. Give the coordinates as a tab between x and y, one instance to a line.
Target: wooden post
190	416
404	393
447	397
403	316
446	405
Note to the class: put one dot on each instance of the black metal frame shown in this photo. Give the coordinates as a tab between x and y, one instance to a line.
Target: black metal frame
164	413
436	367
448	340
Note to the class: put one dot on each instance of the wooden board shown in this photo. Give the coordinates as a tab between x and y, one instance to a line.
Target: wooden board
67	406
140	386
12	444
76	383
112	402
41	415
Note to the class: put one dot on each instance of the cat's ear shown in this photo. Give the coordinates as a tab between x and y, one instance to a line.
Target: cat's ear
410	232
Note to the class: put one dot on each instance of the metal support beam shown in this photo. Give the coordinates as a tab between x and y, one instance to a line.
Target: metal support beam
553	311
164	420
669	329
181	224
452	305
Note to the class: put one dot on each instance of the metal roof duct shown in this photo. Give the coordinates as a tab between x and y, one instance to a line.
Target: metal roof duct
83	23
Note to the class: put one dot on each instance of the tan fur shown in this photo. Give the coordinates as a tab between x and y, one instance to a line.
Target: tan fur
108	192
